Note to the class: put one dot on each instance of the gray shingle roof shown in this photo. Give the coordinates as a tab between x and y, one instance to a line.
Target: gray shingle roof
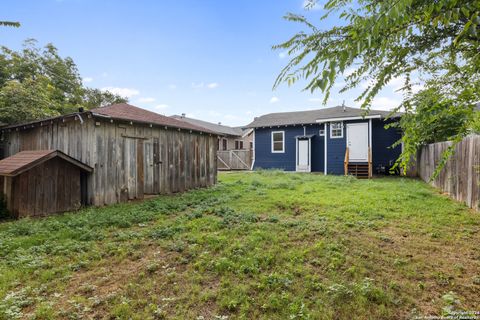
311	116
217	128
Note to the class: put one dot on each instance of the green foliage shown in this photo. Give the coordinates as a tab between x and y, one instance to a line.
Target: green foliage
10	24
37	83
433	43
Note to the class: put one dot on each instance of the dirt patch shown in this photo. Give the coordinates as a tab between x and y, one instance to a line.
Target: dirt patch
425	268
111	276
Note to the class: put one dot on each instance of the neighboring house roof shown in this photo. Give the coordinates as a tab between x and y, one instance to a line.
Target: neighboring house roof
25	160
217	128
311	116
128	112
122	111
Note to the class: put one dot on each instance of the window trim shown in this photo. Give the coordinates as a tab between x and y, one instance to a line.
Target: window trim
320	134
283	141
331	130
239	144
224	144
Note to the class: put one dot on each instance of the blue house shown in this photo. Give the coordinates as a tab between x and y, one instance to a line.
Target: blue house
338	140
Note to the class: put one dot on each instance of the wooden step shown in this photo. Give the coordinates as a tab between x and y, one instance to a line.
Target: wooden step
359	170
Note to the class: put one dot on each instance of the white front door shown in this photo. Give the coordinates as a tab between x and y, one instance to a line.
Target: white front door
357	141
303	155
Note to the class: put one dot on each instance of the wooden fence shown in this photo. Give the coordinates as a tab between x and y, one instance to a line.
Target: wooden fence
461	175
234	160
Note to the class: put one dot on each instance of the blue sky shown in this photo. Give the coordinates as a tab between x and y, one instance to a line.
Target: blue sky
210	59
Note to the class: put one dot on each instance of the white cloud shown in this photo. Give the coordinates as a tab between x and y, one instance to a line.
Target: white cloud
349	71
104	74
282	55
396	83
199	85
146	100
203	85
172	86
417	87
274	100
124	92
249	112
87	79
385	103
212	85
162	106
230	117
214	113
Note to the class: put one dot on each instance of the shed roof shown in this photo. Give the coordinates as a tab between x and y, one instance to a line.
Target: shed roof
128	112
217	128
120	111
311	116
25	160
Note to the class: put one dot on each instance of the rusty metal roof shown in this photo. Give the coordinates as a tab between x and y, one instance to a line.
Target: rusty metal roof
125	111
25	160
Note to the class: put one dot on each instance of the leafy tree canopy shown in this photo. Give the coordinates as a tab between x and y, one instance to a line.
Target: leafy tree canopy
37	83
10	24
431	43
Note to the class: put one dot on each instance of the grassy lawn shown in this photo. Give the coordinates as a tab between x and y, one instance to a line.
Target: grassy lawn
266	245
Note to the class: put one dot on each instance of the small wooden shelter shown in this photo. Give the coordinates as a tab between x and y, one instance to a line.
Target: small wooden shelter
43	182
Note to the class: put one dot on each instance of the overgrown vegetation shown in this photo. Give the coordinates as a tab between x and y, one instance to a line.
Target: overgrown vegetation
36	83
266	245
431	46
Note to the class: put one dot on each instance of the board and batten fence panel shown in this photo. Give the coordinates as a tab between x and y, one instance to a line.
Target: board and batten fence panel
234	159
461	175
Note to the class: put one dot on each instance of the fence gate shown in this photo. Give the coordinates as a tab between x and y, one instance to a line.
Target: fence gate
234	160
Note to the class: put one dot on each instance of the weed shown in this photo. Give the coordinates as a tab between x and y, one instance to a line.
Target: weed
262	245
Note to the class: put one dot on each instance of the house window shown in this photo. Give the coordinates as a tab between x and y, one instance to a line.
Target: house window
238	144
278	141
336	130
321	132
224	144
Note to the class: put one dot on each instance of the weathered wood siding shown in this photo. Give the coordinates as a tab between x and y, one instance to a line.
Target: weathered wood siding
53	186
461	175
129	160
234	160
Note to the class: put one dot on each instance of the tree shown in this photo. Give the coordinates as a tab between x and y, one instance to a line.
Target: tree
10	24
435	43
37	82
94	98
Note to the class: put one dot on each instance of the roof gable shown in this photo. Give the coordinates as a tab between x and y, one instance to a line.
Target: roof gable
25	160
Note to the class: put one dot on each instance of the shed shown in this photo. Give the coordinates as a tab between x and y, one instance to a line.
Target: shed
42	182
133	152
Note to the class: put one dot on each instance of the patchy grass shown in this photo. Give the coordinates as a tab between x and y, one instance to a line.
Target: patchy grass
267	245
